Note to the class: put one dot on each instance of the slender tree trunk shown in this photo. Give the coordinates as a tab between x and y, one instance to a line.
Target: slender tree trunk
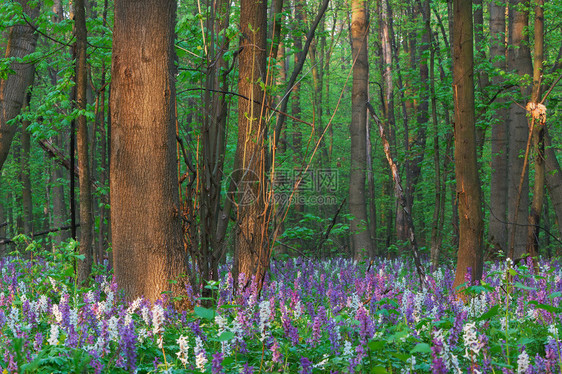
538	122
145	224
360	233
468	182
25	174
519	61
21	42
553	178
86	216
497	230
252	247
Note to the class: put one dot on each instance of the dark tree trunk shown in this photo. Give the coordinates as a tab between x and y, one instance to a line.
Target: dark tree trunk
497	231
538	122
86	216
519	61
145	224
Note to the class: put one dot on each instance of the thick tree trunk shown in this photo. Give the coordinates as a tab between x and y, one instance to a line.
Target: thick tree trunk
497	230
469	253
21	42
86	216
360	232
146	233
519	61
252	246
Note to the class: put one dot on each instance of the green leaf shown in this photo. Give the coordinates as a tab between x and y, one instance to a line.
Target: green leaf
548	308
555	294
378	370
376	345
523	287
422	348
490	313
204	313
401	356
225	336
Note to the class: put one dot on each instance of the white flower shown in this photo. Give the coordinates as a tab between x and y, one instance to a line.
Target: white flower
347	348
42	304
13	318
73	317
112	328
265	313
322	363
57	313
522	363
54	335
553	331
471	342
183	353
145	312
134	306
157	318
200	359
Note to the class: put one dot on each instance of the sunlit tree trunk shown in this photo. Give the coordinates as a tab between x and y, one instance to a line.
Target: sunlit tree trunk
469	253
21	42
145	223
360	232
252	247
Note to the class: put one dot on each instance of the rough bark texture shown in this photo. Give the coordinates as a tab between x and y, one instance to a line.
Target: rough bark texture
466	168
21	42
252	248
497	230
519	61
84	267
361	238
145	225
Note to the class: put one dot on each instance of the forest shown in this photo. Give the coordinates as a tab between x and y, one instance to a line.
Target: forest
344	186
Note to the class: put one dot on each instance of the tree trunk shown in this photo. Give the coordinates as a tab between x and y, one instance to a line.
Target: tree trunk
359	227
497	230
145	224
86	217
538	122
21	42
25	174
553	178
468	182
252	247
519	61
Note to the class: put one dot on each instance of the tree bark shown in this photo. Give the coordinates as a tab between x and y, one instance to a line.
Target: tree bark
21	42
519	61
538	123
84	267
145	224
497	229
359	227
553	178
252	248
25	175
469	253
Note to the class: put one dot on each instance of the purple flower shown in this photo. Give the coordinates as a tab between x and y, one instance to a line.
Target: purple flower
248	369
306	366
128	346
216	363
